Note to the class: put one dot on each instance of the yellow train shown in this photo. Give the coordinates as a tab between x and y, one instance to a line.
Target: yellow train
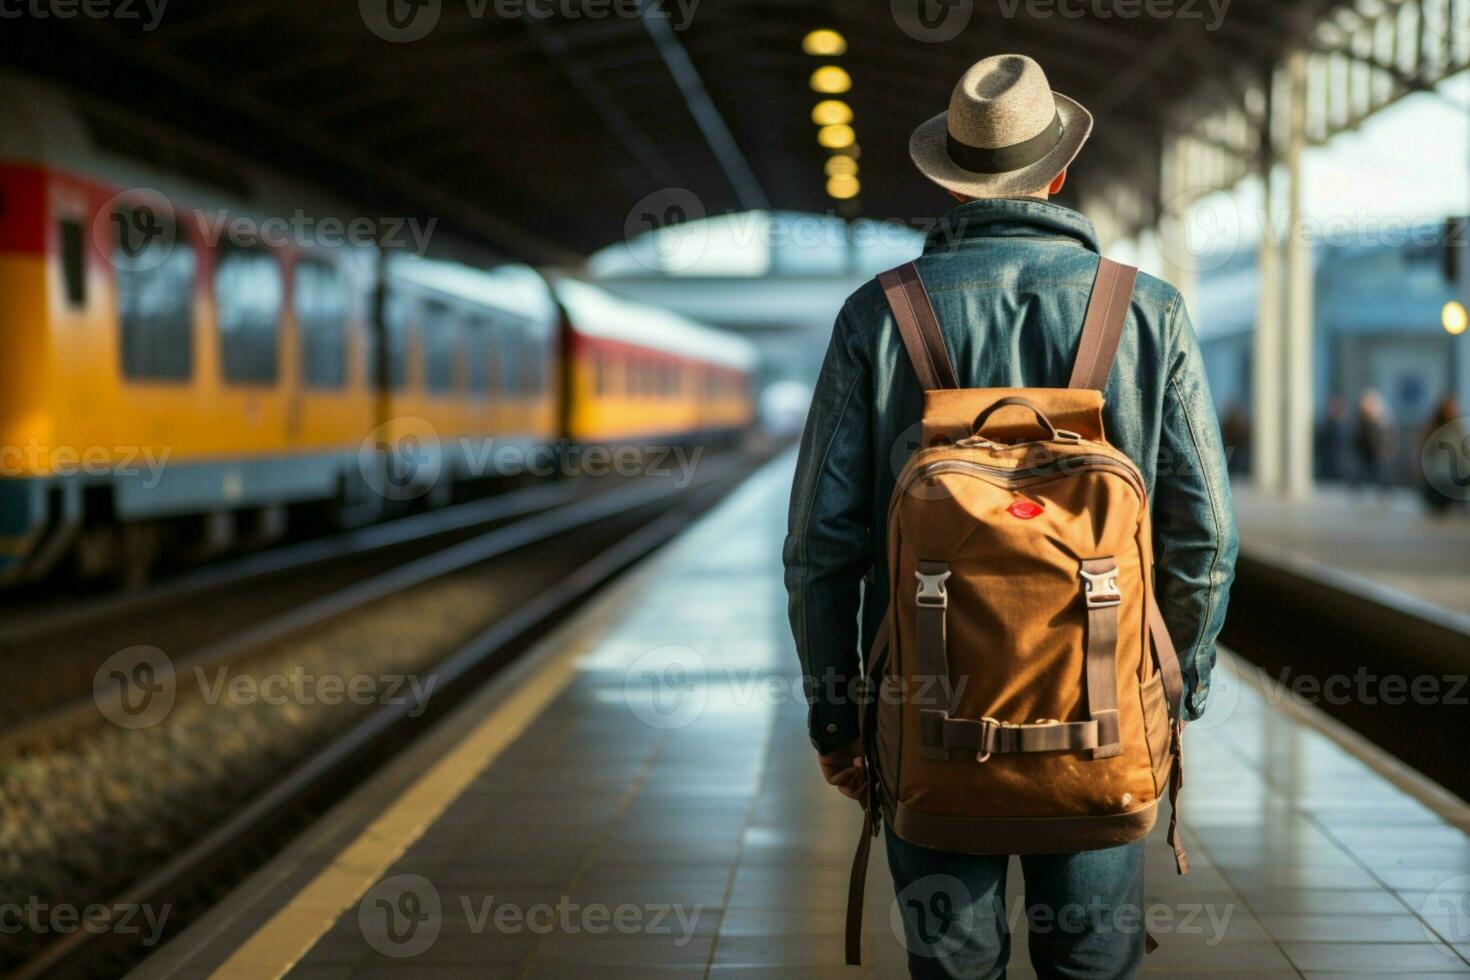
175	378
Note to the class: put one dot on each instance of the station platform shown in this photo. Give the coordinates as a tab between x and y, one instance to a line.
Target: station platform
1383	547
637	797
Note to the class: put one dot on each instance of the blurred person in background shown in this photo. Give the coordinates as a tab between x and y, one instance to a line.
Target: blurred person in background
1333	443
1373	441
1445	442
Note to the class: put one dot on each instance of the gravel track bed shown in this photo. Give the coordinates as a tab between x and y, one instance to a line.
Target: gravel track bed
71	657
82	820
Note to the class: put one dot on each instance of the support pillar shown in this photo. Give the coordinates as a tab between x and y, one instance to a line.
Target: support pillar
1266	403
1300	289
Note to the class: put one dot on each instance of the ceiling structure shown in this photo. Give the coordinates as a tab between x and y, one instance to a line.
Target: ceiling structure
550	137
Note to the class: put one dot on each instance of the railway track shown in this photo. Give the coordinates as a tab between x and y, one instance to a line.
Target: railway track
578	546
1394	675
51	655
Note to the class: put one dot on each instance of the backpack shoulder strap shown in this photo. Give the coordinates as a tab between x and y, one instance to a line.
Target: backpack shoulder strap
919	327
1107	312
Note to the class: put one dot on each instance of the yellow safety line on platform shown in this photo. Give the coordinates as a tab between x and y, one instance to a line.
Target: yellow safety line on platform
297	926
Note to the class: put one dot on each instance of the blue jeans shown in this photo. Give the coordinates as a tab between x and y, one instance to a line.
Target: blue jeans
1085	912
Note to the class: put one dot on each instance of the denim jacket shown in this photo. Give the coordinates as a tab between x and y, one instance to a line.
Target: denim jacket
1009	280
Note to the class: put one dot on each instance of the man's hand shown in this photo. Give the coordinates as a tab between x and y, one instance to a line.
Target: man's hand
846	769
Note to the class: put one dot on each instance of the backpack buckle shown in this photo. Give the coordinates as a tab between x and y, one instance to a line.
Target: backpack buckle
1101	588
931	590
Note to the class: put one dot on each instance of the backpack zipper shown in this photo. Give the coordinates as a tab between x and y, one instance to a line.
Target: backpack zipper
1013	477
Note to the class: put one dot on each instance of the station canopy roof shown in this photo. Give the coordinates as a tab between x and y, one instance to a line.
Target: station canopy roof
553	136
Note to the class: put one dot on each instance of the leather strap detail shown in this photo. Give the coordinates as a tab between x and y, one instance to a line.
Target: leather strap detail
1176	783
918	327
1100	594
1167	658
855	888
931	603
988	736
1102	328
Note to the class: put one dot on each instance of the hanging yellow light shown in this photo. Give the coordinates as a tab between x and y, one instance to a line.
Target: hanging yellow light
836	137
824	43
831	80
843	187
831	112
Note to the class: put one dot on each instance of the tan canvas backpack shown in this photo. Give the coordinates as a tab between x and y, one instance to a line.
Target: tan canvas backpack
1013	704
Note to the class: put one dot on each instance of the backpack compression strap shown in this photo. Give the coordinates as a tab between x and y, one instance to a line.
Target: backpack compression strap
919	327
1107	312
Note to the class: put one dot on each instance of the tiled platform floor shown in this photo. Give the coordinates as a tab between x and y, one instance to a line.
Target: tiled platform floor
702	794
1391	543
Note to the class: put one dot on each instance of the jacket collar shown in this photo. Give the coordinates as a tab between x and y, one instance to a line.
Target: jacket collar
1010	217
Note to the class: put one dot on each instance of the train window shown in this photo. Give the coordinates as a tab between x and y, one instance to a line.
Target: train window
599	374
477	355
535	368
155	270
73	263
394	332
319	300
248	297
509	350
440	340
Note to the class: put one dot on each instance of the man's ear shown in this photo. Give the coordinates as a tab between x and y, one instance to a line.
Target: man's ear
1057	183
960	198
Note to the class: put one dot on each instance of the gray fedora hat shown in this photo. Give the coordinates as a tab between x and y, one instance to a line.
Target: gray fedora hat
1006	132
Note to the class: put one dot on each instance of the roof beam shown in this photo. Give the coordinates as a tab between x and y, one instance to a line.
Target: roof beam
707	117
